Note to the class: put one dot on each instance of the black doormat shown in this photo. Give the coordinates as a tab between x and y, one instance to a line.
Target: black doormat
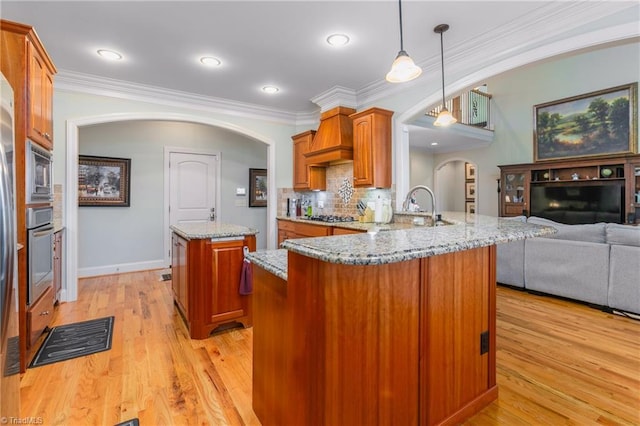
75	340
166	277
132	422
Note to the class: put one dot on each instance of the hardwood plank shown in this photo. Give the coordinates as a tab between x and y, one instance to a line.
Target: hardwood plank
558	362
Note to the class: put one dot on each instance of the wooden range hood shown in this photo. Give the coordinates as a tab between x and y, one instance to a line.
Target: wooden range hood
333	142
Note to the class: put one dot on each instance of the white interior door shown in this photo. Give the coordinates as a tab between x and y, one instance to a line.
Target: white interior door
192	187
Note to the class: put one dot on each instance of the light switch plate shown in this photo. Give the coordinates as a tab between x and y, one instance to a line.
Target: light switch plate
241	191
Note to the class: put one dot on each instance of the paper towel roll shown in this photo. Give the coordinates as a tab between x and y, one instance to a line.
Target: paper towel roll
377	213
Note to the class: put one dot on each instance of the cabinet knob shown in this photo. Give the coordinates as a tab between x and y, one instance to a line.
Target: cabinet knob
43	313
47	136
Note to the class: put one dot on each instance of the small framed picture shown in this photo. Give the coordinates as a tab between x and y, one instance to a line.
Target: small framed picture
469	171
470	190
257	187
470	207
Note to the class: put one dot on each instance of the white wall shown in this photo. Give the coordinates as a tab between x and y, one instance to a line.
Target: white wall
516	92
134	235
450	187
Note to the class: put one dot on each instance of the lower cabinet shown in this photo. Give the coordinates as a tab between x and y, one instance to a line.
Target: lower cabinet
206	282
39	316
179	275
289	230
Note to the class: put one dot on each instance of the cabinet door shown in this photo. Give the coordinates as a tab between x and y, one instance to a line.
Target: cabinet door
514	192
306	177
362	151
226	260
40	94
372	148
179	274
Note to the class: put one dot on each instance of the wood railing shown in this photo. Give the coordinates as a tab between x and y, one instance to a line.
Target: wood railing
472	108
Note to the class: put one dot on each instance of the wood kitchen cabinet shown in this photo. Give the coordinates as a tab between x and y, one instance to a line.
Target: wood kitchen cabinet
372	148
179	274
57	264
306	177
28	68
39	316
205	280
41	91
288	229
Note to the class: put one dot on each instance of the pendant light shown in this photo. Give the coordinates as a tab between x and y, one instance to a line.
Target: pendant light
403	68
444	117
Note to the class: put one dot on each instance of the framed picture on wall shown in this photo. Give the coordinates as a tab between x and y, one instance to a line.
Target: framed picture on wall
103	181
257	187
470	207
470	190
469	171
593	124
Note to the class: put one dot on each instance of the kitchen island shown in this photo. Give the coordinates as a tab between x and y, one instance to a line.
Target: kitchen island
206	264
394	327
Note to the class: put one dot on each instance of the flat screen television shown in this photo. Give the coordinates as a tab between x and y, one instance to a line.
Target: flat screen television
579	203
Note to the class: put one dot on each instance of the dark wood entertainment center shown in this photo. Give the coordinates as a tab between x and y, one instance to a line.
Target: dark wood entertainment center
620	172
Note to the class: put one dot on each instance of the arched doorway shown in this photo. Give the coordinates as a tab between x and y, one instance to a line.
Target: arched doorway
70	292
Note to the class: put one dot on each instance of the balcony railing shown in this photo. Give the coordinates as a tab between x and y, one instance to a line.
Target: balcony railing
472	108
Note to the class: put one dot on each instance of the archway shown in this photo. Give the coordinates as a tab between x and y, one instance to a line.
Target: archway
455	185
70	292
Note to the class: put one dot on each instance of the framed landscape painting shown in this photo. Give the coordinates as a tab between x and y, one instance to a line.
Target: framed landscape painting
594	124
103	181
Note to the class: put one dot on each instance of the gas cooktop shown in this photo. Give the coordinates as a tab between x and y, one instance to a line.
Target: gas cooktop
332	218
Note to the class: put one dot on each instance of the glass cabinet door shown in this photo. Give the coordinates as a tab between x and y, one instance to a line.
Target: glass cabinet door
513	193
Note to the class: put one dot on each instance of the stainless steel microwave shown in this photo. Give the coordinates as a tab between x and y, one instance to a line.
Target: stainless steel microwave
39	176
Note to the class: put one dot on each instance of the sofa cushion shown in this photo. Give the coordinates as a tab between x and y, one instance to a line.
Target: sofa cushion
624	278
574	269
593	233
624	235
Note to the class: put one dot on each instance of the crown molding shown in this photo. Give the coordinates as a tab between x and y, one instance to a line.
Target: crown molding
71	81
335	97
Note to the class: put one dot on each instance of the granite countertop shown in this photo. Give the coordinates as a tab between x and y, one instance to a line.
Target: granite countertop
206	230
464	232
373	248
57	225
274	261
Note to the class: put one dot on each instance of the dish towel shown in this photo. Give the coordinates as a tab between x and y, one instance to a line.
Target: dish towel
246	278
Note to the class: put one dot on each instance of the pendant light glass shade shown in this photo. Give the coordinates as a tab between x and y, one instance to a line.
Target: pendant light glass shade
445	118
403	68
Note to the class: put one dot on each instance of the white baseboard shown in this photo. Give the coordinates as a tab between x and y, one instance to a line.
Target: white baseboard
120	268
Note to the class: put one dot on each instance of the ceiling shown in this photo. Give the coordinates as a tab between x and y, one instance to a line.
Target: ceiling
282	43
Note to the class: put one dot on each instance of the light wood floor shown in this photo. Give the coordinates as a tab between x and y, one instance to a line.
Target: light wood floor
558	363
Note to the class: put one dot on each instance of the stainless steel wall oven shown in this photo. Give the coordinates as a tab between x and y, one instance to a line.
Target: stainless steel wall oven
39	251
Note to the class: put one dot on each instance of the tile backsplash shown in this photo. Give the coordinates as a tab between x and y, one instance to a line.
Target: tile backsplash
331	199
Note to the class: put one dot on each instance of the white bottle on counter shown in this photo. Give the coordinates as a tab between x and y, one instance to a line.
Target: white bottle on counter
377	213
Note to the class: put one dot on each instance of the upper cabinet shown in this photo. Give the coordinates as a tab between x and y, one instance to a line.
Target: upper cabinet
30	72
306	177
41	92
372	148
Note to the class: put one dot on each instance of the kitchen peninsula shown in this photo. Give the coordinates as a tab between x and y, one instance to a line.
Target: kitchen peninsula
206	264
393	327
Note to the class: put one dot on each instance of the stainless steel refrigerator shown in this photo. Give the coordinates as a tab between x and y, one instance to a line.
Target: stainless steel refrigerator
9	347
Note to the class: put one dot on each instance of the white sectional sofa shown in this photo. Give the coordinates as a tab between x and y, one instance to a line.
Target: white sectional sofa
594	263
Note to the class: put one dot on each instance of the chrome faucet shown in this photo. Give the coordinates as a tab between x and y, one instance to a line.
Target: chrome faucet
405	204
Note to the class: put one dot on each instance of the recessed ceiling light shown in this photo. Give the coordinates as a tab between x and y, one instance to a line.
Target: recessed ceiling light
109	54
338	39
434	143
270	89
210	61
